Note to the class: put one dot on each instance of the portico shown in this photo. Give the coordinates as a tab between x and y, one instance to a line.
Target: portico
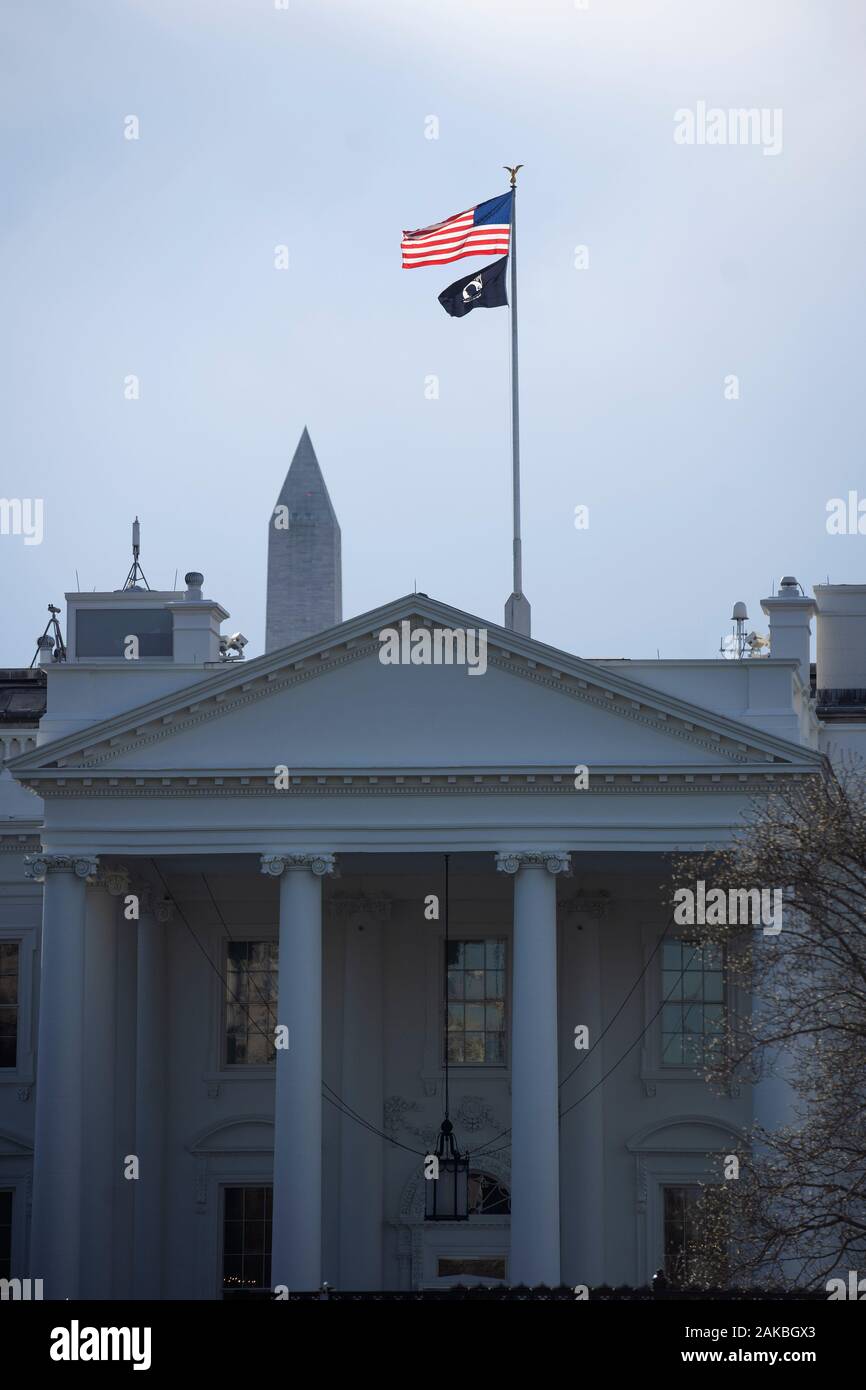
175	802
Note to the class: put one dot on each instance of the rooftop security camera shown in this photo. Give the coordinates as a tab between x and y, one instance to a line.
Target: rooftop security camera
232	648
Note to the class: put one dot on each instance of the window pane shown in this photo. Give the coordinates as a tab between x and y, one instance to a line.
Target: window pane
691	988
494	1017
494	1048
494	955
474	984
693	1020
671	984
455	984
672	1018
473	954
693	1050
474	1047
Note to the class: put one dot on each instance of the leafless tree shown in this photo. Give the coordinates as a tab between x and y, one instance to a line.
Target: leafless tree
797	1212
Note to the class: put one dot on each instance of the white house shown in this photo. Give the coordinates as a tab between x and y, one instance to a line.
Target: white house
279	825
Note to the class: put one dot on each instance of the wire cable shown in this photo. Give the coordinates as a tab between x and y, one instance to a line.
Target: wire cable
337	1100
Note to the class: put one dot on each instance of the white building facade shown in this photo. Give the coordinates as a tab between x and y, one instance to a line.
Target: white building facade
199	852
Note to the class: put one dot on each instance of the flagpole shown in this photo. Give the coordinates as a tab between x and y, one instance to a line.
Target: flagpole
517	610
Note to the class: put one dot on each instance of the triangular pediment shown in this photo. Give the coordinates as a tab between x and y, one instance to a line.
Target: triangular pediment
328	706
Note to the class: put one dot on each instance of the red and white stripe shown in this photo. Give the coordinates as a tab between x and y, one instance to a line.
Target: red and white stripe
455	237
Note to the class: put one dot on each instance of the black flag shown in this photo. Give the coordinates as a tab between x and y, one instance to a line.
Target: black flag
484	289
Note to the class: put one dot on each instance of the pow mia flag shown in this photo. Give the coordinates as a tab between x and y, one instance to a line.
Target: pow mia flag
484	289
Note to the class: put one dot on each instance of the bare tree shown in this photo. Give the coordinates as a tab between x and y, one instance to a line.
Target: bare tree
797	1212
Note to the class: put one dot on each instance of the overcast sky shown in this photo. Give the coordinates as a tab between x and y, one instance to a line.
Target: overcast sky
306	127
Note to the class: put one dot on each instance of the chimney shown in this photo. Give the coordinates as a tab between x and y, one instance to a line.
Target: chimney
790	613
841	641
196	623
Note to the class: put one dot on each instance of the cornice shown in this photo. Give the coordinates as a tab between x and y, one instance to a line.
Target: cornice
235	782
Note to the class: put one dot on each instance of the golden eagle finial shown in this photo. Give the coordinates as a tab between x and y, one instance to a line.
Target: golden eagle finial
512	170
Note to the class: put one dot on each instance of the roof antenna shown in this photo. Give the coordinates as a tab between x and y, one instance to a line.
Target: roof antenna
135	570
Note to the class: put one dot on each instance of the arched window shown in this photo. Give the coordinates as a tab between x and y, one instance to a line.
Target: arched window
487	1196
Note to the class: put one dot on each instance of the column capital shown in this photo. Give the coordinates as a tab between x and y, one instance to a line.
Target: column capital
149	902
555	861
276	864
587	905
39	866
114	880
374	909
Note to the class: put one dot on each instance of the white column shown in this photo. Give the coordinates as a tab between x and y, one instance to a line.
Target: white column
534	1068
100	1158
150	1096
296	1259
582	1130
55	1243
362	1082
124	1097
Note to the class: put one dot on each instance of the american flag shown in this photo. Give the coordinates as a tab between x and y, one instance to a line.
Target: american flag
480	231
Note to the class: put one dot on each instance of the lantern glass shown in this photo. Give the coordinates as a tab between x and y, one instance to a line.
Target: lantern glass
447	1197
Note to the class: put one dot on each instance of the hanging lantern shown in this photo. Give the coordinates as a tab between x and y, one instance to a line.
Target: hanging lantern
447	1193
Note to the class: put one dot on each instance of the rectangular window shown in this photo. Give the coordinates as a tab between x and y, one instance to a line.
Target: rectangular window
247	1218
103	631
5	1234
251	1002
9	952
693	987
475	1001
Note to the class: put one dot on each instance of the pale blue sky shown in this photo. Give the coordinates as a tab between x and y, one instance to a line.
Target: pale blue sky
307	127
